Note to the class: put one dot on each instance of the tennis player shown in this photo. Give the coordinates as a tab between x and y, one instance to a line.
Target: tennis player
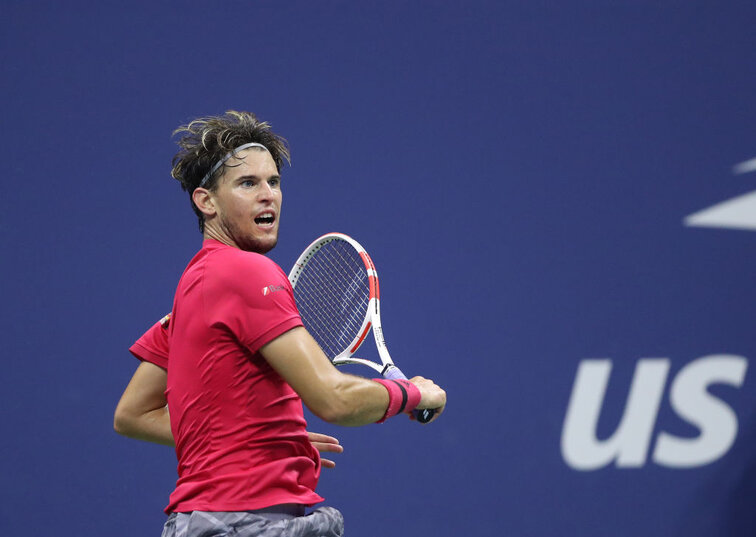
241	363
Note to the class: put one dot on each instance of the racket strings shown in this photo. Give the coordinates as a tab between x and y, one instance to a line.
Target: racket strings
332	295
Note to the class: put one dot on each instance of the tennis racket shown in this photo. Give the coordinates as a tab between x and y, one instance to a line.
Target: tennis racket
336	290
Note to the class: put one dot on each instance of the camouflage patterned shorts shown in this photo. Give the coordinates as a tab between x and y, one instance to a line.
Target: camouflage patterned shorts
275	522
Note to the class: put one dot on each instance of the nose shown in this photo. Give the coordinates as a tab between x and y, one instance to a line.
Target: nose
266	191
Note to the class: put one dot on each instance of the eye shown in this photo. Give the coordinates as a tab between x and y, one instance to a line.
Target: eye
275	182
248	183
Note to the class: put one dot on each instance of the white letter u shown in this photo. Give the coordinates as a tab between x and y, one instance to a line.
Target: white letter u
629	444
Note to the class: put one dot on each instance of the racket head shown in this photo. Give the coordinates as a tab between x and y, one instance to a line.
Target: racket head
336	290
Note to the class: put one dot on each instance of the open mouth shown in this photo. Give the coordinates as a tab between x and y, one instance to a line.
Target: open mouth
265	219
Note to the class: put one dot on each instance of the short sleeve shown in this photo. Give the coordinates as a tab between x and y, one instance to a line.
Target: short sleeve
153	346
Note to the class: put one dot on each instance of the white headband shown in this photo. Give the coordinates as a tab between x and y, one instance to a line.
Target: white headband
224	159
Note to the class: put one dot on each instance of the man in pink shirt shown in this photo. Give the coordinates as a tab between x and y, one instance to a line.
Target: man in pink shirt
240	361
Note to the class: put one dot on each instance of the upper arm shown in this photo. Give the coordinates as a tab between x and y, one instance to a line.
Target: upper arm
296	356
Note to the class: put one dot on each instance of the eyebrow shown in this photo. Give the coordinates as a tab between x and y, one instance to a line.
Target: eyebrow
253	176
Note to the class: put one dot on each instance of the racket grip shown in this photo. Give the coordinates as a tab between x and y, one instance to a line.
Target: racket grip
423	415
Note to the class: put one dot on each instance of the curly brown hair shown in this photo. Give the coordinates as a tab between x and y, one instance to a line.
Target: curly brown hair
206	141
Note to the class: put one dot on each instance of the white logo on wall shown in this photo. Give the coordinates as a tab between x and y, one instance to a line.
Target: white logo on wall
735	213
629	445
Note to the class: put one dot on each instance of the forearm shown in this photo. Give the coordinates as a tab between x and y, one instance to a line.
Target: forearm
350	401
152	426
331	395
142	412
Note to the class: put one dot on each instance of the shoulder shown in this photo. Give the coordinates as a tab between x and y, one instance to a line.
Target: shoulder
237	270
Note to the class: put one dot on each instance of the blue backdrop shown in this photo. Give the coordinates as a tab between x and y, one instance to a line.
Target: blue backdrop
557	199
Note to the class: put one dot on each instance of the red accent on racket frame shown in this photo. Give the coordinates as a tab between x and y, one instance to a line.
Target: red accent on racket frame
362	338
366	259
373	280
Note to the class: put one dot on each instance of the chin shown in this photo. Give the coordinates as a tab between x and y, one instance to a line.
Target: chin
260	246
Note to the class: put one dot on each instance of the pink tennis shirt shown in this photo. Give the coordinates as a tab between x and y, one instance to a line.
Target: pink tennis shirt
239	427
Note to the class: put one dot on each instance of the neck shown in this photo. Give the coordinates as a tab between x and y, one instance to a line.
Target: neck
211	233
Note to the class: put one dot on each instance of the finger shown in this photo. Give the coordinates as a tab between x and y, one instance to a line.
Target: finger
322	438
327	447
327	463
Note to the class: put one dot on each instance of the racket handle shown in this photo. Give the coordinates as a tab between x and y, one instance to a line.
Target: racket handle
422	415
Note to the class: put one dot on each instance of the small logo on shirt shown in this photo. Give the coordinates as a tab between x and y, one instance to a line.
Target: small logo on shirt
272	289
165	320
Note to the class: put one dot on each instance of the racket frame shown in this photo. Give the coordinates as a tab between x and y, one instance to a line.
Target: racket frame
372	319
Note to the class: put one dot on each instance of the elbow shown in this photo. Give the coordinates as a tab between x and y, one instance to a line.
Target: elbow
122	423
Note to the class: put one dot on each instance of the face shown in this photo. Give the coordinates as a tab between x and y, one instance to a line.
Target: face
247	203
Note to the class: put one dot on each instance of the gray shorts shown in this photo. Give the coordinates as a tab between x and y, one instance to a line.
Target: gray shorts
278	521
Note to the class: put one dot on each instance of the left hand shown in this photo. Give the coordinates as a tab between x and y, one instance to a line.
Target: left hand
325	444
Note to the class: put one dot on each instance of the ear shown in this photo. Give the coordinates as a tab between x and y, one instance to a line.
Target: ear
204	201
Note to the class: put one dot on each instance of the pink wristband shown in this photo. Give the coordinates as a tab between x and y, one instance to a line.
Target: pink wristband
403	397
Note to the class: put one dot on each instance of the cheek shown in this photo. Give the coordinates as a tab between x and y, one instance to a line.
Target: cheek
233	212
239	205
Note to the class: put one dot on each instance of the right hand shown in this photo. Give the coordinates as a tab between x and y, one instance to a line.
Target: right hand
431	396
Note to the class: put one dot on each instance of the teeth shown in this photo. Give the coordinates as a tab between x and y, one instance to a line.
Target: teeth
265	218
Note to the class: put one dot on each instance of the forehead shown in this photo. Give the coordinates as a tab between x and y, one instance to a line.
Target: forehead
252	161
